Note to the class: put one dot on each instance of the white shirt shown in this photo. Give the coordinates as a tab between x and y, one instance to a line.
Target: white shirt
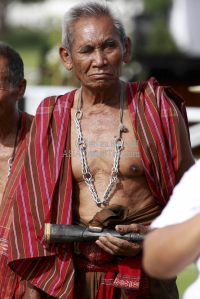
183	205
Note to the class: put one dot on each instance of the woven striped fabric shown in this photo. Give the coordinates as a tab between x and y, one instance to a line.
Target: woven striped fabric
156	123
10	286
44	192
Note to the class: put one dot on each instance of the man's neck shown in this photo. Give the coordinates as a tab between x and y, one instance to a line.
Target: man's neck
8	125
100	97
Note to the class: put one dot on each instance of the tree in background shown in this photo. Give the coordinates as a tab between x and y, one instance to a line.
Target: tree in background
157	5
152	35
34	45
3	9
159	40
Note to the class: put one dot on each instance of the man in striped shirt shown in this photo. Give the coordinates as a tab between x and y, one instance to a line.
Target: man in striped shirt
14	131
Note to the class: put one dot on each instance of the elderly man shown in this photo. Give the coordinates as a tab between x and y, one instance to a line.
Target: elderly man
14	131
108	154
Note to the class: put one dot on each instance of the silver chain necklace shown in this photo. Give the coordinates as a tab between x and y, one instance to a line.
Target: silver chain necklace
81	142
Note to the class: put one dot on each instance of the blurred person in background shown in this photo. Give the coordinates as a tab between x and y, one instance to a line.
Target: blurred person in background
14	132
127	142
174	237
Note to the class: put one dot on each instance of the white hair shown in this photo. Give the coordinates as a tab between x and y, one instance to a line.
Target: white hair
90	9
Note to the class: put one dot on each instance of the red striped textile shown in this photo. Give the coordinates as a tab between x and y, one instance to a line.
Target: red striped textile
44	195
156	124
126	274
44	191
10	286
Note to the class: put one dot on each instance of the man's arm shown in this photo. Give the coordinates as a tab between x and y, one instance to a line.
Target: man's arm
186	151
175	241
34	293
169	250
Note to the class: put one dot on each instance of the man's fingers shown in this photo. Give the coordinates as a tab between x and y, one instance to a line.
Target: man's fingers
104	244
131	228
117	246
123	244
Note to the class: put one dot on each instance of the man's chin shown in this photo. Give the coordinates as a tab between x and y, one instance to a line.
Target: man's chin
103	82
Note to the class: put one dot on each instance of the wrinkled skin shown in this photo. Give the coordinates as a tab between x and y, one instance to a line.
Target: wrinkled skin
116	246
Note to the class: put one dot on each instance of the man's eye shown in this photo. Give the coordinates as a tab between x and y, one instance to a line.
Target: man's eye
109	46
87	50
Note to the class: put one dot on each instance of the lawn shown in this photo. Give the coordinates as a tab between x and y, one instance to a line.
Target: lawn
185	278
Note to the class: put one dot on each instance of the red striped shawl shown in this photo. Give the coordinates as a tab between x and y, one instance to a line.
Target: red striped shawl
44	191
10	287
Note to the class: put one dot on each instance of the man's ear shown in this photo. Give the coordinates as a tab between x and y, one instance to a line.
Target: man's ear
66	59
128	50
21	87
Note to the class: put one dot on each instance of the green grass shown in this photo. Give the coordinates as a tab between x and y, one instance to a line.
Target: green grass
185	278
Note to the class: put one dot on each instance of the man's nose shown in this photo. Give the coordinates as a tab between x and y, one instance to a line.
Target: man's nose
99	58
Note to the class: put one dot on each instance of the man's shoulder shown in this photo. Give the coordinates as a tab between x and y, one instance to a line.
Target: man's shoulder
54	99
152	83
27	115
152	90
51	103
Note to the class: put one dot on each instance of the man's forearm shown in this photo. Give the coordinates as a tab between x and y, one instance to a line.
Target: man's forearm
169	250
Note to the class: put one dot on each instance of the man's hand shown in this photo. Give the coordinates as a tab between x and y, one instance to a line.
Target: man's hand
116	246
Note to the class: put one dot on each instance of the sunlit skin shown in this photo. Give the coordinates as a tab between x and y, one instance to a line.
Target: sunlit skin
97	54
97	57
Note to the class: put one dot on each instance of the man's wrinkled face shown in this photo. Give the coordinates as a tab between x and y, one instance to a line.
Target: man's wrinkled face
97	52
7	94
4	74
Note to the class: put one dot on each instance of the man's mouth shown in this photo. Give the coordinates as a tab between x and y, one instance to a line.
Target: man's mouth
100	75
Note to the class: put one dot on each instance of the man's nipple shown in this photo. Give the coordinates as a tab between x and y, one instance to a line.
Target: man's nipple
135	168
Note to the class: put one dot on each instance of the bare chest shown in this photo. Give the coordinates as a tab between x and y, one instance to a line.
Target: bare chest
5	155
100	132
